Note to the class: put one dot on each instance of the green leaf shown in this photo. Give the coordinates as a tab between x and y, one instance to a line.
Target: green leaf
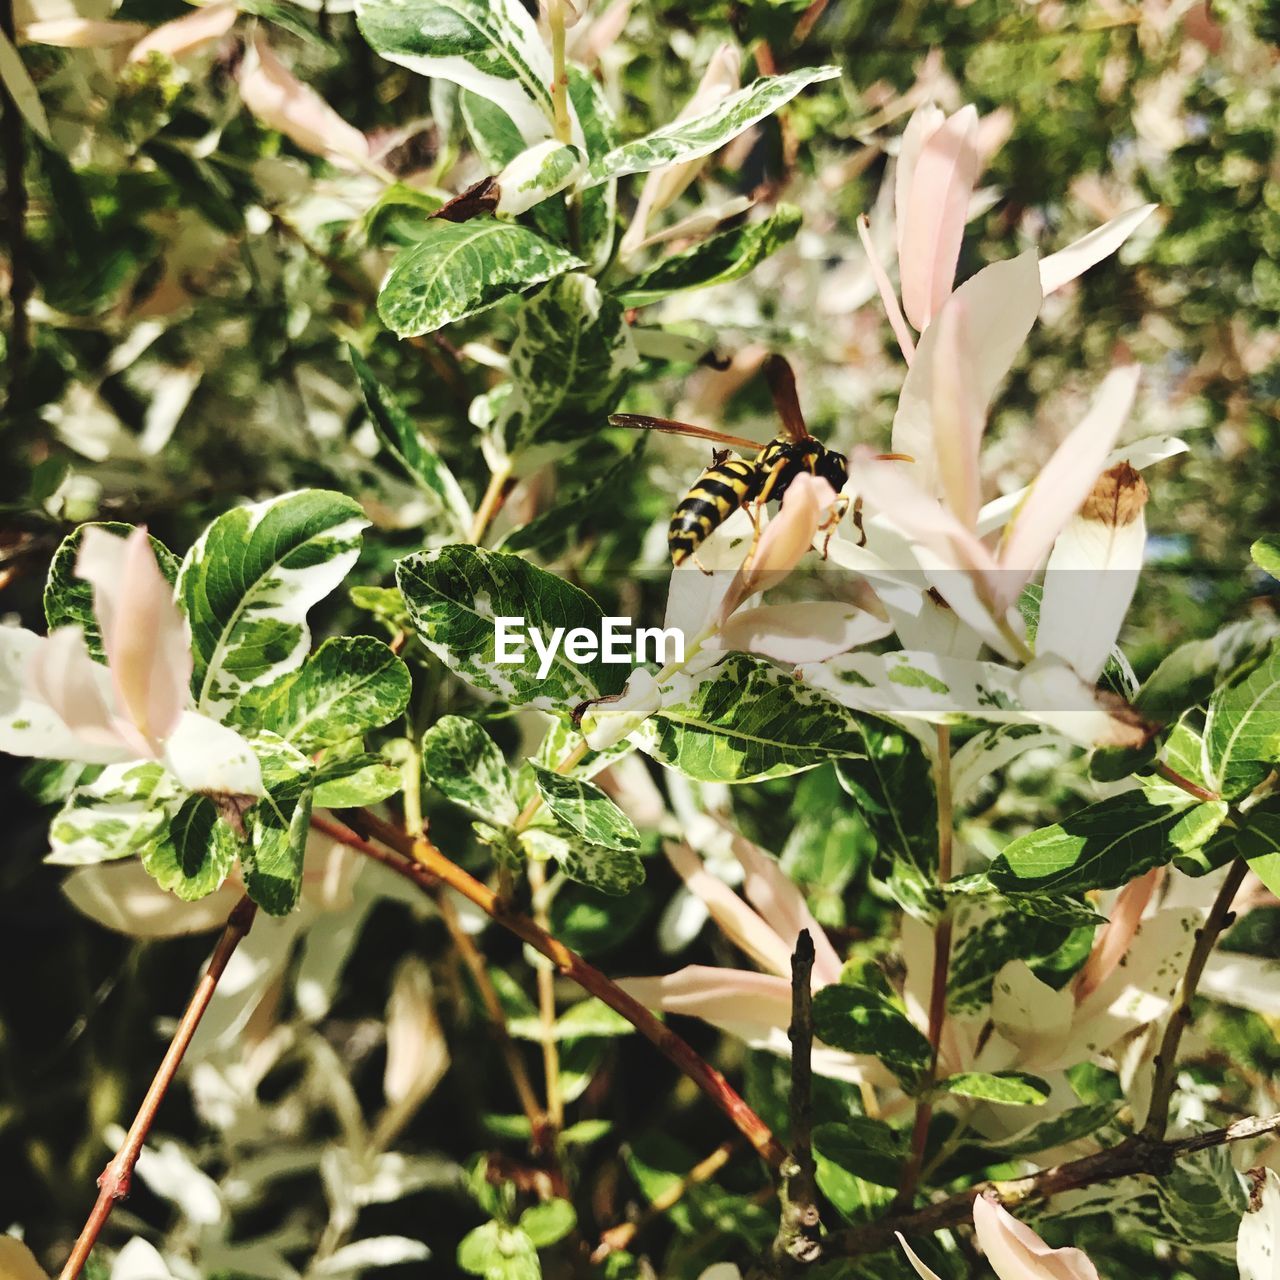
891	781
699	136
68	600
1242	733
499	1253
197	854
1189	674
463	763
1266	554
278	827
493	134
355	782
859	1165
455	595
123	811
249	582
716	260
1007	1088
459	269
406	443
346	686
1079	1122
1105	845
490	47
746	720
22	90
549	1222
586	810
572	350
612	871
860	1021
1259	844
985	949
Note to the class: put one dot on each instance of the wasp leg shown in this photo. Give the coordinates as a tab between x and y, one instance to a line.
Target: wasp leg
832	522
857	521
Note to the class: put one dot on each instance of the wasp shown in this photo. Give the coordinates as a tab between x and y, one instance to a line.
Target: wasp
731	482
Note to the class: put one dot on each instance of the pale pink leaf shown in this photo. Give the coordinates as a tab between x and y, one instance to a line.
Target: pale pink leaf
1113	942
123	897
1015	1252
958	417
811	631
751	1006
1067	479
282	102
887	296
187	35
80	33
1001	303
925	121
736	919
930	235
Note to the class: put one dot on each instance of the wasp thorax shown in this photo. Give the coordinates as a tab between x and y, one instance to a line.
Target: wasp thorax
1118	497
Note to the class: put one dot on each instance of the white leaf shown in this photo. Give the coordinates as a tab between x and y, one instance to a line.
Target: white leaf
207	756
1064	266
376	1251
1258	1244
139	1260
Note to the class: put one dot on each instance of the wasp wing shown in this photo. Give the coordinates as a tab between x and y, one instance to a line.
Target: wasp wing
782	386
642	422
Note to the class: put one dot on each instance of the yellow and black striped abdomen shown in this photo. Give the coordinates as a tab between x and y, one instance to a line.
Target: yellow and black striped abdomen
717	493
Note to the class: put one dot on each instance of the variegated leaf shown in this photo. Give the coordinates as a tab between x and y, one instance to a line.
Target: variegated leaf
465	765
537	174
411	449
571	351
197	852
1005	1088
490	47
248	583
349	685
458	269
612	871
747	720
68	599
278	825
717	260
700	135
585	809
1104	845
455	596
120	813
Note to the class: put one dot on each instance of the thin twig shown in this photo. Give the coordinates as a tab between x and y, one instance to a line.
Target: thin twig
546	980
559	73
116	1178
938	982
799	1236
621	1236
1133	1157
1166	1062
426	864
491	503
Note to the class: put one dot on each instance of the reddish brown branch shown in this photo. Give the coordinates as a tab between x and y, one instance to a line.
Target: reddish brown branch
424	864
117	1177
1134	1157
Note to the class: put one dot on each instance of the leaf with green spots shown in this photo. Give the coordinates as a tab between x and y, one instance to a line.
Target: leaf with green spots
348	685
456	594
746	720
1242	733
1104	845
355	781
984	950
490	47
467	767
716	260
278	826
68	600
1258	842
1005	1088
459	269
586	810
700	135
571	352
863	1022
249	582
611	871
197	853
410	448
123	811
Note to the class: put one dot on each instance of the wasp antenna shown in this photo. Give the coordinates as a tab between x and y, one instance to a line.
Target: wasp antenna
786	400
